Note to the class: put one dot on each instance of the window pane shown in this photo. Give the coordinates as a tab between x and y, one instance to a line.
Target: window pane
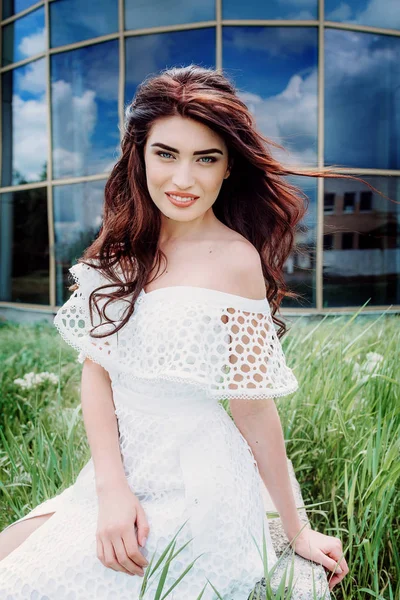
364	261
376	13
362	100
77	219
12	7
299	268
24	247
142	13
273	9
85	109
147	54
73	20
24	124
24	37
329	202
276	69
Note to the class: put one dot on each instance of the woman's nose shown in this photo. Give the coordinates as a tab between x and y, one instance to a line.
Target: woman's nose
183	176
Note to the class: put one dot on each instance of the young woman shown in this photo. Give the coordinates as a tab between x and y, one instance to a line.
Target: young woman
196	185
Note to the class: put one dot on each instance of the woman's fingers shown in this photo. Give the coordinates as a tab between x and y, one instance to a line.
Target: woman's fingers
336	552
329	563
110	559
100	549
337	565
132	549
123	558
333	580
337	555
143	528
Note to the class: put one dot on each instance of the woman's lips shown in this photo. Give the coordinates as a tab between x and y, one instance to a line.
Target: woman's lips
182	202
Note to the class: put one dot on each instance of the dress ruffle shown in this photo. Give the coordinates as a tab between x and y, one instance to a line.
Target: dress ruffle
224	343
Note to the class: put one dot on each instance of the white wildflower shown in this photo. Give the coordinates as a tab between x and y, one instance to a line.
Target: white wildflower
374	357
32	380
361	372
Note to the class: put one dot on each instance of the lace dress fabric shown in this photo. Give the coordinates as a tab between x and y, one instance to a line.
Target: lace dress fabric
183	349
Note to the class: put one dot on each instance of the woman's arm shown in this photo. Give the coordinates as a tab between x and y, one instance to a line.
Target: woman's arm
101	426
119	508
259	422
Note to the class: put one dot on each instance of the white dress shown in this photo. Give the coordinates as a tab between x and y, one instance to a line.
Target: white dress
183	349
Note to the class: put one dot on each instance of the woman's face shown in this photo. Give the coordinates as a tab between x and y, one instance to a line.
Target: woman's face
185	157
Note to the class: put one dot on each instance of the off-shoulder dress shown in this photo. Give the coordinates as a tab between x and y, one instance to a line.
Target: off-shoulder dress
183	350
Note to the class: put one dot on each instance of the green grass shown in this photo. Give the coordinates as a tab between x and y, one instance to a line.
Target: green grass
342	432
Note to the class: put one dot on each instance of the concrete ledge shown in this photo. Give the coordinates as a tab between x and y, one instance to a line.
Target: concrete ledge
307	575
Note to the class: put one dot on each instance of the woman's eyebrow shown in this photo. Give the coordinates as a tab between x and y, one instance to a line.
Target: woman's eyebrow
209	151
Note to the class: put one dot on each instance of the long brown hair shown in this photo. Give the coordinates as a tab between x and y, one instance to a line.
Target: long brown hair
128	238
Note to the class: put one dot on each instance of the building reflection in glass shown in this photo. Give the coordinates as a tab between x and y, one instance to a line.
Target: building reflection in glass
299	268
24	247
361	242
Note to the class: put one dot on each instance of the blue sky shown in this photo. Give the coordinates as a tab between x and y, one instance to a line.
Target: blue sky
24	37
147	54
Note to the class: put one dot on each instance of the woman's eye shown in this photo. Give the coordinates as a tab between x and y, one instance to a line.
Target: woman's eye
210	158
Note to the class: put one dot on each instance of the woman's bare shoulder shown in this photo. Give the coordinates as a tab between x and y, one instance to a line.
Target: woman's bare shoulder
241	267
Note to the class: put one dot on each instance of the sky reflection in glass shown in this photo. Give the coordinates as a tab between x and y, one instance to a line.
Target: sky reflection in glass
362	100
73	20
275	69
376	13
24	37
142	13
147	54
85	110
12	7
270	9
24	124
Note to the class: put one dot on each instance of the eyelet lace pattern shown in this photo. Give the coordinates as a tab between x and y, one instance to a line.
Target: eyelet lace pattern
225	344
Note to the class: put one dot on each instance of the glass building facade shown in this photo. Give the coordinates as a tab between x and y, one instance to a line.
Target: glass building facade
322	79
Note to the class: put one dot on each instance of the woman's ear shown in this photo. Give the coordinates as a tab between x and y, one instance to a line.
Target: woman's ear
228	170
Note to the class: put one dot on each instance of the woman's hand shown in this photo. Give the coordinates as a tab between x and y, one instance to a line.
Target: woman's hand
322	549
117	545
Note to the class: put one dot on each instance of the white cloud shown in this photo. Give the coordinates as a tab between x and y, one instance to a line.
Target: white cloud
287	115
340	13
374	14
29	136
353	55
72	135
386	16
33	43
32	78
